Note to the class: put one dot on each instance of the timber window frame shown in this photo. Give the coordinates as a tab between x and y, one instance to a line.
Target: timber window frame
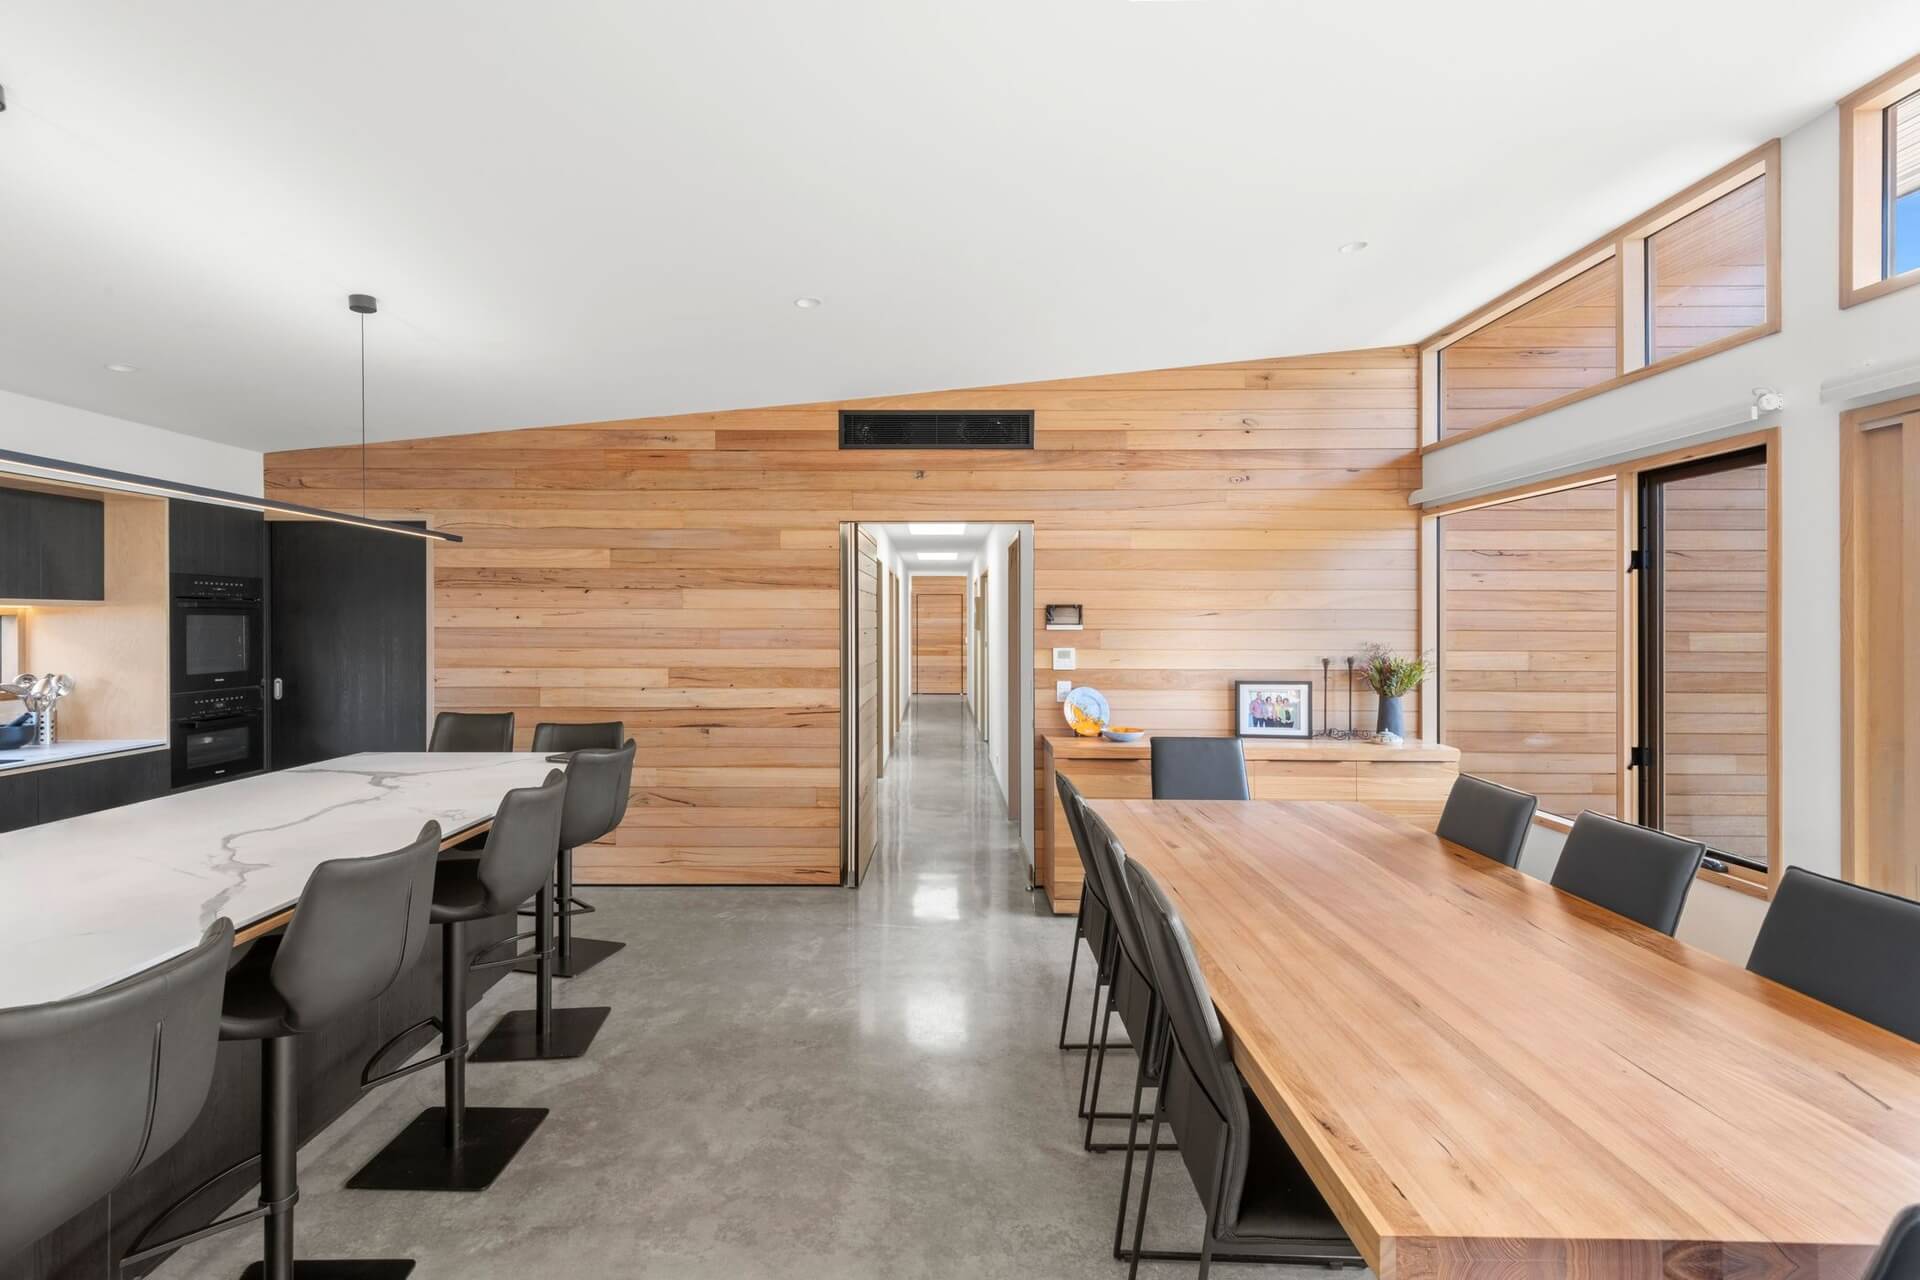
1629	712
1626	249
1867	185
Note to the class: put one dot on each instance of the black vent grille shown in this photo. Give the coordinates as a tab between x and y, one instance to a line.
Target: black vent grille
909	430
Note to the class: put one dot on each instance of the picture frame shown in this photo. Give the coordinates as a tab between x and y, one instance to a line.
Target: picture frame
1273	708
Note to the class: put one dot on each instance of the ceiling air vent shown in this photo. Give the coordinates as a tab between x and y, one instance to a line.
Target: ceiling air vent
909	430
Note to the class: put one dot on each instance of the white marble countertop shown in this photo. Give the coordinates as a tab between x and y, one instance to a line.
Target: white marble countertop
88	901
65	752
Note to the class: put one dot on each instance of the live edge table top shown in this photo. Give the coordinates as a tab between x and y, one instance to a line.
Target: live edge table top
1488	1077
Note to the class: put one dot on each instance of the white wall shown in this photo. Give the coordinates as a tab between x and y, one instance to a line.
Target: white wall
1817	342
60	431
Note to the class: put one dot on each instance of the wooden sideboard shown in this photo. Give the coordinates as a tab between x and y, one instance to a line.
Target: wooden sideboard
1411	782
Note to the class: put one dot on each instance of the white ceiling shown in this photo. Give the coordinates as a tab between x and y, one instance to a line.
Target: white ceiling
968	545
583	211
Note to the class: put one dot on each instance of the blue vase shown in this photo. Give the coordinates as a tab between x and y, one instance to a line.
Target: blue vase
1392	718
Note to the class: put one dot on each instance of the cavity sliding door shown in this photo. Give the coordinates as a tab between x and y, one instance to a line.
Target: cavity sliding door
860	701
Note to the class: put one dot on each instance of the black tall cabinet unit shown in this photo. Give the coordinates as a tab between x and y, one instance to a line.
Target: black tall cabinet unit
347	642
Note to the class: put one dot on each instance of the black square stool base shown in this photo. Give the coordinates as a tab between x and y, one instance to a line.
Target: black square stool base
515	1038
340	1269
419	1160
587	952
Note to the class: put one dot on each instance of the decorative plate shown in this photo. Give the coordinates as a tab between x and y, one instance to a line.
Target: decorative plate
1087	711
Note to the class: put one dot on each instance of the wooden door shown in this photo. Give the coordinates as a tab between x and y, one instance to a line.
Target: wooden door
1011	585
1880	646
979	690
866	719
939	634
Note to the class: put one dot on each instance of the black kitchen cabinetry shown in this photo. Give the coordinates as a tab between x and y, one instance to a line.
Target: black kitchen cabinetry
84	786
52	546
203	537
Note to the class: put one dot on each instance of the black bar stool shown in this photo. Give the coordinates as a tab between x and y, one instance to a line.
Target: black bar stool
577	955
597	787
96	1088
456	1147
472	731
361	923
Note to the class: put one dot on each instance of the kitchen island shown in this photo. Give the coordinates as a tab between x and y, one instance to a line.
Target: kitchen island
1410	781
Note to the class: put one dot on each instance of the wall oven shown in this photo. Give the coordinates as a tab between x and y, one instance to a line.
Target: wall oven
217	735
216	633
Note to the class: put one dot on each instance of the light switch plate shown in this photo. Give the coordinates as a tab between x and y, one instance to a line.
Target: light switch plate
1061	688
1064	659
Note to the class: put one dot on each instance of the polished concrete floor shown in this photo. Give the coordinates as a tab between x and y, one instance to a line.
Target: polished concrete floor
794	1083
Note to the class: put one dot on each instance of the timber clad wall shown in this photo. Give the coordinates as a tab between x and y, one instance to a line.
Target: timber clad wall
680	573
939	633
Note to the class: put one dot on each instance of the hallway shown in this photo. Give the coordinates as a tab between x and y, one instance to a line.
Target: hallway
794	1083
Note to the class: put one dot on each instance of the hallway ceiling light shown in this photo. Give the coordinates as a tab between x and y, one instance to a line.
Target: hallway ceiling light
1353	246
121	368
806	304
937	530
936	555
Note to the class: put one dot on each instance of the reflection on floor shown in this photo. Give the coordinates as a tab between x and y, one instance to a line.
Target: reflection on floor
795	1083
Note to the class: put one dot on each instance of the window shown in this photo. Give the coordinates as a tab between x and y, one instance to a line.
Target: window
1707	274
1903	186
1880	186
1703	768
1690	278
1529	611
1563	341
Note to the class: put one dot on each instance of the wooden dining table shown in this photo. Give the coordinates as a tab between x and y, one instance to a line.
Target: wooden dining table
1488	1077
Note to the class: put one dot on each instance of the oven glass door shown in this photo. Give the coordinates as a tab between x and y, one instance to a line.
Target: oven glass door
215	648
207	749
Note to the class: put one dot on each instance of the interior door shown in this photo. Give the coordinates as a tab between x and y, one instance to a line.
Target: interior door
865	720
1015	623
347	642
939	634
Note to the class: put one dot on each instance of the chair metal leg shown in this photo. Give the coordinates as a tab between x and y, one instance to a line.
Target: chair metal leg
1146	1189
543	1033
453	1147
576	955
1091	1104
1073	965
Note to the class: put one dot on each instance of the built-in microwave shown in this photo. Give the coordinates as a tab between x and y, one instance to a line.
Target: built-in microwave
216	640
216	736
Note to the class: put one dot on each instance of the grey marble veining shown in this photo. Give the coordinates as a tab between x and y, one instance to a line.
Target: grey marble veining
90	900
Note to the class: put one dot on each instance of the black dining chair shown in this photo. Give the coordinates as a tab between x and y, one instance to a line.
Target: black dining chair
1094	924
1487	818
577	955
361	923
1846	945
1261	1205
1632	871
1898	1257
455	1147
1199	769
1130	991
472	731
95	1088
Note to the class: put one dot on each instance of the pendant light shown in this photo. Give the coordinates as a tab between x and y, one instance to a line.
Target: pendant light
363	305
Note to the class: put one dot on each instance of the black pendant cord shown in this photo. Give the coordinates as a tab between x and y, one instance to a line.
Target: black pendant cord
363	413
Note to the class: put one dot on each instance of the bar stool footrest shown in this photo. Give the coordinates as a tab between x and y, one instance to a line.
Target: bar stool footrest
339	1269
418	1159
587	952
516	1037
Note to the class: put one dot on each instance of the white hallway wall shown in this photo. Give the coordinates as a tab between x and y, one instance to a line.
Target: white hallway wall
1818	342
60	431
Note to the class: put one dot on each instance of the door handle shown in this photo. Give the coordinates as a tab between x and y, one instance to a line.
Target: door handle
277	689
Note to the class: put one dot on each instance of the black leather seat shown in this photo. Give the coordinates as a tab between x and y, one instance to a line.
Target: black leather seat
1854	948
1632	871
599	783
1260	1204
96	1088
360	924
456	1147
472	731
1199	769
1130	990
1094	925
577	955
1487	818
1898	1257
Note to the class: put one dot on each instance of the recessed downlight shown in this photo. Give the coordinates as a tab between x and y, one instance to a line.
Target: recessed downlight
937	530
121	368
936	555
1354	246
806	304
